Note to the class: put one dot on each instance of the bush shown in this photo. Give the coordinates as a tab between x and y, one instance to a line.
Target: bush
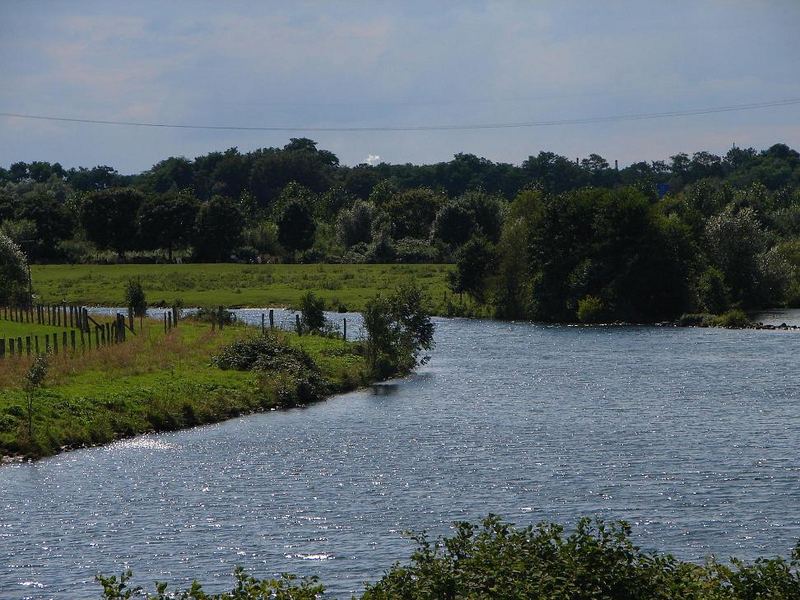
245	254
596	561
75	251
312	310
712	293
399	331
733	319
591	309
412	250
696	320
135	298
287	587
207	315
299	376
495	560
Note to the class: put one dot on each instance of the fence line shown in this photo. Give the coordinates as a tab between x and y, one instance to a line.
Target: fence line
76	333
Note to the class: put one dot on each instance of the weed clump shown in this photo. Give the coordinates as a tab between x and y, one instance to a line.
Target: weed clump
287	373
735	318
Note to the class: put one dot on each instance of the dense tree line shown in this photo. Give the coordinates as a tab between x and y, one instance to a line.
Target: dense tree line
550	238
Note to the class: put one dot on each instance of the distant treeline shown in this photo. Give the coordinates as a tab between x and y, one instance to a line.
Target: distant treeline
551	238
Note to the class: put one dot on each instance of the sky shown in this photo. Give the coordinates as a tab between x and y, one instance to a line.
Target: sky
379	64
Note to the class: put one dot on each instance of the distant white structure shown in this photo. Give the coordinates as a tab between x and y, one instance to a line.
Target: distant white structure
373	159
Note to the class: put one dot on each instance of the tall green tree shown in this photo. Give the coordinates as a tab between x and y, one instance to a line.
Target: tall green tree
13	272
454	223
53	223
609	245
475	261
109	218
167	221
412	212
734	240
354	224
218	229
399	332
296	226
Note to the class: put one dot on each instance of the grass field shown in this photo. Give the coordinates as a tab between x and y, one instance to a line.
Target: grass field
152	382
13	329
236	285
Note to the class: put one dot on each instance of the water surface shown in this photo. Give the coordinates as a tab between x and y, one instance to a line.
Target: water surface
690	434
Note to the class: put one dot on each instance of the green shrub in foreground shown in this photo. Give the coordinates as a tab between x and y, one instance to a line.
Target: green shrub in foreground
246	587
497	561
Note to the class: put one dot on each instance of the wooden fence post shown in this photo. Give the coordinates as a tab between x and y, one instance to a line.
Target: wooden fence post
55	343
28	345
64	340
2	348
36	343
271	319
72	339
344	329
298	325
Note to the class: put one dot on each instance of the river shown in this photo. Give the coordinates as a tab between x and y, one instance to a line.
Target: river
692	435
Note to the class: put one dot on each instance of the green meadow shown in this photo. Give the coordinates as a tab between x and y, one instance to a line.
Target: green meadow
345	287
154	382
9	329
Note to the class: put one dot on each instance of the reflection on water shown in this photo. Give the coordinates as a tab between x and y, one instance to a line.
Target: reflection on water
690	434
385	389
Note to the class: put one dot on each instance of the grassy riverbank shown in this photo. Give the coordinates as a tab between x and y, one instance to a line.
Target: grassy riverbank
154	382
341	286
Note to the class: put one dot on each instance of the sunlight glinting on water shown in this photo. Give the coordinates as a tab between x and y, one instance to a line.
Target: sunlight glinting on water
689	434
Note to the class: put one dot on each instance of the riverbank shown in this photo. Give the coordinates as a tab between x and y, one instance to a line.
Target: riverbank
156	381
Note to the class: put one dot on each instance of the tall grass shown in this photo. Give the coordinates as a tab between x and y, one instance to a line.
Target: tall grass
153	381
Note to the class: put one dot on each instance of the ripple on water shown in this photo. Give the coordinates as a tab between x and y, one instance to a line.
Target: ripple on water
689	434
